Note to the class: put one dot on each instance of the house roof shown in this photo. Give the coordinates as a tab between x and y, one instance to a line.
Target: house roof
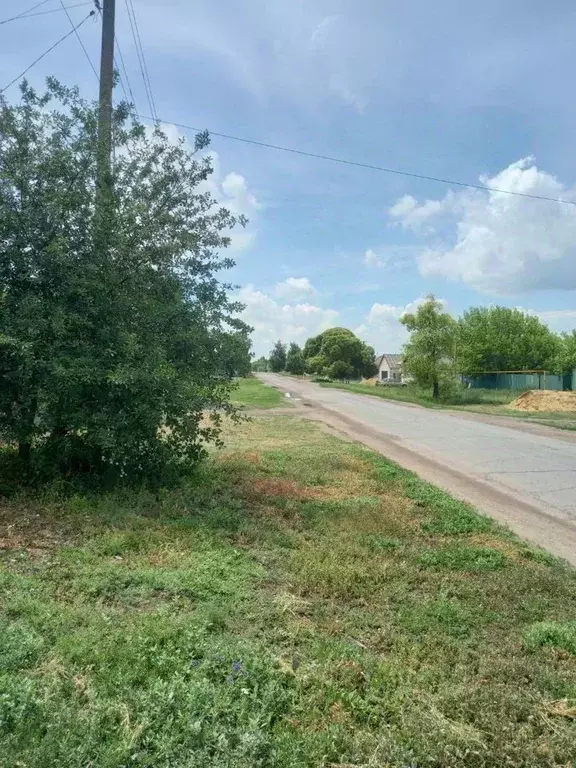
393	361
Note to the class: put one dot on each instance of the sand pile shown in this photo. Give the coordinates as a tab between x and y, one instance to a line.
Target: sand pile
545	400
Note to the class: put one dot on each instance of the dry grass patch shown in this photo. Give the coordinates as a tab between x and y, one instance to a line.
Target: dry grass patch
511	549
302	602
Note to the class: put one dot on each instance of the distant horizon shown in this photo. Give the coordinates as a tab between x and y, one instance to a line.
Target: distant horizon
473	94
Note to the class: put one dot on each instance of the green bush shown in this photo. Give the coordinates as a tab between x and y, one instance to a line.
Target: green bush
116	336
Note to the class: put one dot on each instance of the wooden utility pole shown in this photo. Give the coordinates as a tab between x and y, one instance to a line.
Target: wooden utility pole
104	171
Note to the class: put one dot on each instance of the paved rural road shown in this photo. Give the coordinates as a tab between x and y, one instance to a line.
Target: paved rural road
523	475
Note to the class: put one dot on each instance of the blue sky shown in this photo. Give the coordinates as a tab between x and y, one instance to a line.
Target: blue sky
450	89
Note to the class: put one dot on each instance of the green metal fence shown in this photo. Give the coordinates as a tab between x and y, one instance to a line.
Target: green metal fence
522	380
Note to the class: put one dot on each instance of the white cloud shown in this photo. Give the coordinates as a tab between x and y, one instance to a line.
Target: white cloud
371	259
382	328
272	320
500	243
288	50
238	197
294	288
231	191
557	319
389	257
412	215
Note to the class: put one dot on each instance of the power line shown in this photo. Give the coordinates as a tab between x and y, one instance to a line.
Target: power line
154	112
80	41
43	2
132	99
358	164
138	54
141	57
43	13
47	51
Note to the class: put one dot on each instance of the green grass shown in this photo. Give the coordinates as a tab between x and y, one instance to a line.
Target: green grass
253	393
303	602
488	401
460	398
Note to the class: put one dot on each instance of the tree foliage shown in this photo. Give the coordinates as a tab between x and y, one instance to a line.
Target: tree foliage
503	339
234	350
108	357
277	357
429	354
340	354
261	365
295	362
312	347
566	358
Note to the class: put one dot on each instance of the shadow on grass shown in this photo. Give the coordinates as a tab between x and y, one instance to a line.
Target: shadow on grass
299	601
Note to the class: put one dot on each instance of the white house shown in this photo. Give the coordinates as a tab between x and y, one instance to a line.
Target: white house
390	369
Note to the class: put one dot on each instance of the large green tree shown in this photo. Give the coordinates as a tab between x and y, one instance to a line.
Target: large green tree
503	339
295	362
429	354
312	347
108	355
340	354
277	357
566	359
261	364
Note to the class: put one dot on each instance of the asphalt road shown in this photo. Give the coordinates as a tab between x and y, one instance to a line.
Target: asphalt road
523	475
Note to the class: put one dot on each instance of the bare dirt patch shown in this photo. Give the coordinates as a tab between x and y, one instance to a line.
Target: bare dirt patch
29	532
545	400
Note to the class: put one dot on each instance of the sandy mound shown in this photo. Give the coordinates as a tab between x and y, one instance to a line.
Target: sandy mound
545	400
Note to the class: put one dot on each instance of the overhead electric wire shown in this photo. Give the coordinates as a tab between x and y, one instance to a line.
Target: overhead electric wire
43	2
141	57
138	54
154	111
80	41
43	13
358	164
132	99
57	43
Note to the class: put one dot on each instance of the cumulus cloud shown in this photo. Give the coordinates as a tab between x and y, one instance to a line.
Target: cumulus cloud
499	243
273	320
294	288
237	196
411	215
556	319
390	258
371	259
382	328
231	191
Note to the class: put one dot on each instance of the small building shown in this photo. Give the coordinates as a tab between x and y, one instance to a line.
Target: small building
390	369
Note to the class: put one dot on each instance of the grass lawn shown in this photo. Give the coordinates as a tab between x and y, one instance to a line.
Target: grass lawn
253	393
466	398
489	401
302	603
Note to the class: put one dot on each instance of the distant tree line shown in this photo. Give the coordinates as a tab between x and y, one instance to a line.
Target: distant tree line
440	348
482	340
336	353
